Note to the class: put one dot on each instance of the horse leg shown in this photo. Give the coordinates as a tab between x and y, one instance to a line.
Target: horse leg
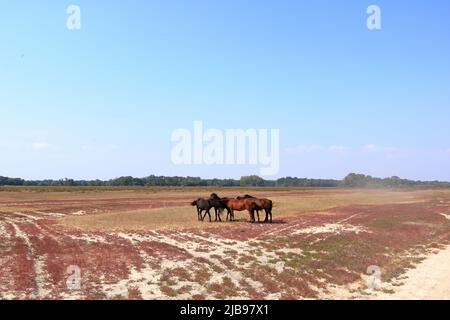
202	217
231	214
218	217
209	214
199	214
267	216
257	213
251	213
218	212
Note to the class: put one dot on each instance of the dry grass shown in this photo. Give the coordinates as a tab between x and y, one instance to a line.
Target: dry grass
287	203
136	220
14	199
159	208
294	205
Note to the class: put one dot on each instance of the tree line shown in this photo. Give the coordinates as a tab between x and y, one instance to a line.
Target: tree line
361	180
352	180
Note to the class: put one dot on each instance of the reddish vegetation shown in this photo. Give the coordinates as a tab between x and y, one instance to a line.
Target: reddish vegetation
256	260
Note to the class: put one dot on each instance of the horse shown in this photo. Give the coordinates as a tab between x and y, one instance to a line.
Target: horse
202	205
261	204
218	205
206	205
238	205
222	204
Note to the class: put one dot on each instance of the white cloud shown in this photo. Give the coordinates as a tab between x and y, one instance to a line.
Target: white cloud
337	148
107	147
316	148
304	148
110	147
42	145
375	148
369	147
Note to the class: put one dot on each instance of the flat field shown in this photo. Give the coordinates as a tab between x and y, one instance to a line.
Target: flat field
134	243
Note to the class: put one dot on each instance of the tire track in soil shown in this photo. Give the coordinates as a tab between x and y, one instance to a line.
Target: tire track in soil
37	262
41	276
6	260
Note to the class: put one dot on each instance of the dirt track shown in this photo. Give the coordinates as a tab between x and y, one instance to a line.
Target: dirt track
319	246
429	280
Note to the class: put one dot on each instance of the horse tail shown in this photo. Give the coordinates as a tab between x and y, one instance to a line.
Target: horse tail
194	203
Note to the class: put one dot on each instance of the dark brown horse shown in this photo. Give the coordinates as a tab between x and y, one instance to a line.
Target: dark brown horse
206	205
261	204
202	205
239	205
219	206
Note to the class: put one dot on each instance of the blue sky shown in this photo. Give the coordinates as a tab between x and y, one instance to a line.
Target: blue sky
102	101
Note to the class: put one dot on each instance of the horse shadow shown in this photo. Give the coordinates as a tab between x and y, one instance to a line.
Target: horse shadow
274	221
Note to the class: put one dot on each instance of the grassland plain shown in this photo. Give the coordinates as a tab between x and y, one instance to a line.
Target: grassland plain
134	243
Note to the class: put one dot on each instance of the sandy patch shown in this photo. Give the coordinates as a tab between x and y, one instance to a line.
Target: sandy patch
430	279
3	232
49	214
335	228
78	213
92	238
446	216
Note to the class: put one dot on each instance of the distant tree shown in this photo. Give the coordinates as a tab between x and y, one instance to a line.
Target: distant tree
251	181
356	180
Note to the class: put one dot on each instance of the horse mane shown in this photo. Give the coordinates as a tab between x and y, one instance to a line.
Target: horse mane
246	196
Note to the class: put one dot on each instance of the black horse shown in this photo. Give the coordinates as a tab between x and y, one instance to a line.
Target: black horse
202	205
219	205
206	205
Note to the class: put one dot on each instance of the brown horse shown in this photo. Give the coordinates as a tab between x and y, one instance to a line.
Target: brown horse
238	205
261	204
